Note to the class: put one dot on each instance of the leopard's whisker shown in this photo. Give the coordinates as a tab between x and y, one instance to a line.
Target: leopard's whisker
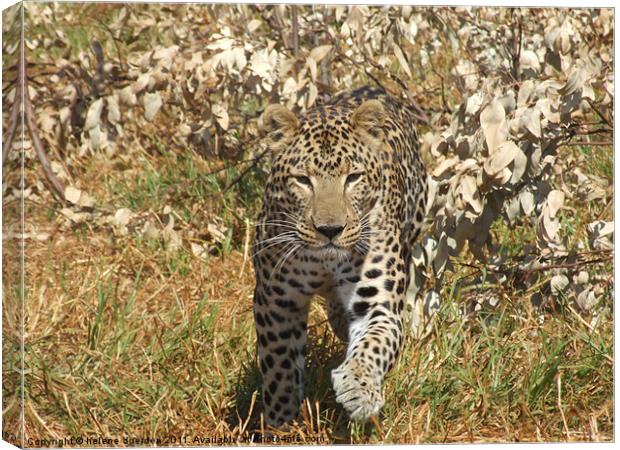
276	221
283	259
273	244
286	234
280	252
290	216
286	226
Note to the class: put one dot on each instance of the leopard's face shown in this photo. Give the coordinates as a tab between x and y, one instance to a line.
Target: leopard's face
326	180
333	208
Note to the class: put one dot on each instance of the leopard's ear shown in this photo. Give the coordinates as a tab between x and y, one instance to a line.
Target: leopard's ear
280	126
369	118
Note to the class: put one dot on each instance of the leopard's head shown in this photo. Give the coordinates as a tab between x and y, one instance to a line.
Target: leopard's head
326	174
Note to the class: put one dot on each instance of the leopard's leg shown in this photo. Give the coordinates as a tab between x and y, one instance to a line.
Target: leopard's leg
338	318
375	334
281	314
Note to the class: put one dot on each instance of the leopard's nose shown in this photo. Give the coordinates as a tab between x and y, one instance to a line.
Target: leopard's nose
330	231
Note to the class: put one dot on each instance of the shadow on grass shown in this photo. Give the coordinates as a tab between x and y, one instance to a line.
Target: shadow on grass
324	354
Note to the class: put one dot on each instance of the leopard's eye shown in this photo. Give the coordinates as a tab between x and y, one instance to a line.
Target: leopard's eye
353	177
303	180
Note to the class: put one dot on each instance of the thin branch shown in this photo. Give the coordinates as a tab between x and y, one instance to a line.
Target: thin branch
559	382
579	132
516	49
566	266
245	171
586	143
15	113
517	270
115	42
57	186
295	31
446	107
419	114
600	114
604	211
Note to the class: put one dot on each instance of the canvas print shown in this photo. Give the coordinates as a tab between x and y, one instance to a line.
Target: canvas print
239	224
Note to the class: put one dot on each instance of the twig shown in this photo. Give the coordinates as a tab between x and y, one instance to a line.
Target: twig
566	266
15	113
587	325
604	211
600	114
246	247
235	164
591	143
418	115
275	21
559	378
516	50
578	130
114	41
57	186
245	171
542	268
295	31
446	107
375	422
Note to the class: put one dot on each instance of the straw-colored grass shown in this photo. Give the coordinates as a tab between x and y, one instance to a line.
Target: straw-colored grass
125	339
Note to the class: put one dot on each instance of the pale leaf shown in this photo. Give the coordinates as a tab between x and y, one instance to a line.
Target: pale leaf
501	158
402	60
123	216
555	201
494	126
574	82
221	115
152	103
93	116
318	53
529	60
558	283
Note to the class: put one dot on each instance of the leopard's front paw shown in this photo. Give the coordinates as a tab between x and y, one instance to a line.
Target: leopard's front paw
357	390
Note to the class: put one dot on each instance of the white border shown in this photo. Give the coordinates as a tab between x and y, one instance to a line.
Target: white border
491	3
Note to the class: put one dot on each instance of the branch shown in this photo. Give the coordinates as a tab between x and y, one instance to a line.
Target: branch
114	41
418	114
446	107
517	38
586	143
600	114
517	270
13	119
566	266
57	187
295	31
245	171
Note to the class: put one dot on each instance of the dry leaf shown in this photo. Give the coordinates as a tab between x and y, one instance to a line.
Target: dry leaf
122	217
318	53
494	126
402	60
78	197
529	60
93	116
555	201
501	158
221	115
152	103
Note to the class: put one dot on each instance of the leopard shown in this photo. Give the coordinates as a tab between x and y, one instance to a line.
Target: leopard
344	202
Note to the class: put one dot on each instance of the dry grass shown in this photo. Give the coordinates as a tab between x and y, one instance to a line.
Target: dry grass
127	339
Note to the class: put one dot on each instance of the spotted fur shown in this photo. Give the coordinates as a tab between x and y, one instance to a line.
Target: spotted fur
343	205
